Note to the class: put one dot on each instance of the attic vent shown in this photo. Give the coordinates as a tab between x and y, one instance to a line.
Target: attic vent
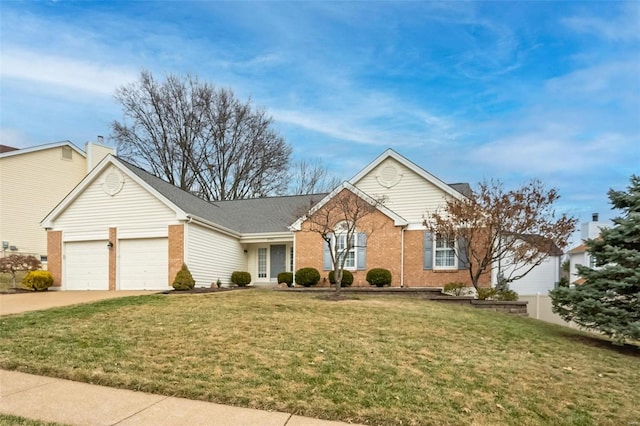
388	175
113	182
67	153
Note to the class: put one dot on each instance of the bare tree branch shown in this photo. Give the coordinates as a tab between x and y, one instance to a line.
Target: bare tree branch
517	229
310	177
200	138
344	214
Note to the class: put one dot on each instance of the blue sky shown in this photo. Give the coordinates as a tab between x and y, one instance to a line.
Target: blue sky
467	90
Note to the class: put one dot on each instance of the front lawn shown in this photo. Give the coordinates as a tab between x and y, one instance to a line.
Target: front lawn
377	360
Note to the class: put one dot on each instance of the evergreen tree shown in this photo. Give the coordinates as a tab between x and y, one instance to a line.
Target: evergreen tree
609	300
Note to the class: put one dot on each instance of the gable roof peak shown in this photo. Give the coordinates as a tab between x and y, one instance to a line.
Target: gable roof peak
390	153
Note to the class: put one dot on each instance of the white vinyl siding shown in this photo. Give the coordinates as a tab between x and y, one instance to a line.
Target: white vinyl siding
32	184
86	265
211	255
143	264
541	279
131	209
411	197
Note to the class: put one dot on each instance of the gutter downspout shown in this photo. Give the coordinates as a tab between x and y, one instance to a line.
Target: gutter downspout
402	256
185	239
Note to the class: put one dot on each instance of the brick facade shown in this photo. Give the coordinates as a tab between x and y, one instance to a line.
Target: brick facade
416	276
176	250
54	256
384	241
383	249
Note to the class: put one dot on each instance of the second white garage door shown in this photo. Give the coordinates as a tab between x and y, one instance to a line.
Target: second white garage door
143	264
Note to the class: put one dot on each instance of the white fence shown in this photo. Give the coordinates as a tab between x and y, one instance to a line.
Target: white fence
539	307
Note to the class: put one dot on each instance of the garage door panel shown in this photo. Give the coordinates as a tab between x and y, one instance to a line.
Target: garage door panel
86	265
143	264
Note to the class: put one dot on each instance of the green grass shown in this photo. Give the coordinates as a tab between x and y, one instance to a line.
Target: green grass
377	360
8	420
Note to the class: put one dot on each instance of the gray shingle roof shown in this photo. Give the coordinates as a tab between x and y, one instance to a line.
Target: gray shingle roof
463	188
255	215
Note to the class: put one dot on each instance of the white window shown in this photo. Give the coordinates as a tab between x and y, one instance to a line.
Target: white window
291	259
341	251
445	254
262	263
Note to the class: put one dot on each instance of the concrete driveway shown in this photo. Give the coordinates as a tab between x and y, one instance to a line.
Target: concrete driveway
23	302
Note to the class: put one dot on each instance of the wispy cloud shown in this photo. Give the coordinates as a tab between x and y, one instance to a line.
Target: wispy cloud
40	68
623	27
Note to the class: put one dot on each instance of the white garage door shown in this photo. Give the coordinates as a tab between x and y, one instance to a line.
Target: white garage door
86	265
144	264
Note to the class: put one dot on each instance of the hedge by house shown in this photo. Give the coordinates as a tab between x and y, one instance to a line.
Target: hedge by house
347	278
379	277
184	280
38	280
307	277
285	277
241	278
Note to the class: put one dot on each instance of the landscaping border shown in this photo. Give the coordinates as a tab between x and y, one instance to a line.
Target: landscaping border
428	293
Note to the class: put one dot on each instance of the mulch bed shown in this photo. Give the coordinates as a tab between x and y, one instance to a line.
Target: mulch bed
17	291
204	290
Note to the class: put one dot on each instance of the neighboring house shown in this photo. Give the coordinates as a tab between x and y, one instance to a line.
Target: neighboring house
123	228
542	278
579	255
32	181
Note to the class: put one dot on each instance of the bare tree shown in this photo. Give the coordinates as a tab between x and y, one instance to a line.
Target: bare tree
200	138
338	221
516	230
310	177
18	262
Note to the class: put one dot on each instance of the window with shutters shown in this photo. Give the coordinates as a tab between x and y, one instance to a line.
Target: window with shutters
355	258
445	253
342	252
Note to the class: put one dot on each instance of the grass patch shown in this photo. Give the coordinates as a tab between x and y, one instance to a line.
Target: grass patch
376	360
8	420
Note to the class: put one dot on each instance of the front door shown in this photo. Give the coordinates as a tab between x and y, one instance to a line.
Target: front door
278	263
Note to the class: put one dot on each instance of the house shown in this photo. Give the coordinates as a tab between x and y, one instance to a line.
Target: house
123	228
579	255
541	278
32	181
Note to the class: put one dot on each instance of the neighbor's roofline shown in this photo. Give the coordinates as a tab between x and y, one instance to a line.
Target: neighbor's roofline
20	151
410	165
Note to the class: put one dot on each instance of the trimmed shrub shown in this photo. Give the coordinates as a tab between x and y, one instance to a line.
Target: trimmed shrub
184	280
485	293
454	289
379	277
307	277
286	277
38	280
506	295
241	278
347	278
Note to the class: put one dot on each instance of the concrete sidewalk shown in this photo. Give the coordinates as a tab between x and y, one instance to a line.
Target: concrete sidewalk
74	403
